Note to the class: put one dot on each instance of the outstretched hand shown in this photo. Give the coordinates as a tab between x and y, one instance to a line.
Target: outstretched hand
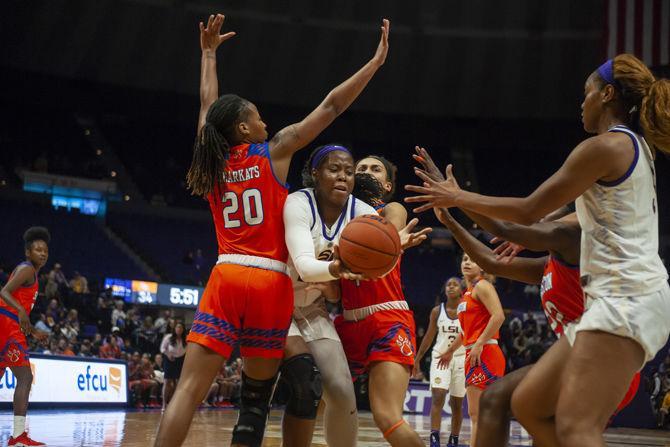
409	239
434	193
210	36
507	250
383	47
429	167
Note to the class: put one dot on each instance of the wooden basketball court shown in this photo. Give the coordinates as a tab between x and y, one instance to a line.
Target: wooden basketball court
111	428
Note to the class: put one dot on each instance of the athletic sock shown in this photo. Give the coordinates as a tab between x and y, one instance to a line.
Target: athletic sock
19	425
435	438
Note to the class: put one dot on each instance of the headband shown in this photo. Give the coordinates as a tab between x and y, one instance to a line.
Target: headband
325	150
606	71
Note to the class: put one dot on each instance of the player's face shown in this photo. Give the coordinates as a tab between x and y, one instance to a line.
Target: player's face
592	105
335	177
453	288
38	253
253	127
376	169
469	268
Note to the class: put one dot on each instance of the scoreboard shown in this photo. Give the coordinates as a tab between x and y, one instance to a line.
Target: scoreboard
153	293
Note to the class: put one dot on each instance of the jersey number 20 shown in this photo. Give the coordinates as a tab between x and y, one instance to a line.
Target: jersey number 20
251	204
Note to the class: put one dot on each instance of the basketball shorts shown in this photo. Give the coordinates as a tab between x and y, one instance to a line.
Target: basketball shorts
384	336
451	378
490	369
643	318
312	322
243	304
13	343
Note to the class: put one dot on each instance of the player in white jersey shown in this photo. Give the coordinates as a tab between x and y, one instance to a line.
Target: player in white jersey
444	323
314	218
627	294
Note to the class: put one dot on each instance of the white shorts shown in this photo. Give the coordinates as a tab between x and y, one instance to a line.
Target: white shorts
645	319
313	322
451	378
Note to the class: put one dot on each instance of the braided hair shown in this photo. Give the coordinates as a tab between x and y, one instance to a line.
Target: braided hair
391	174
212	145
368	189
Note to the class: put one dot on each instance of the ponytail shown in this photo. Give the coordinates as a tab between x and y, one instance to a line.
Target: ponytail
644	98
655	115
213	143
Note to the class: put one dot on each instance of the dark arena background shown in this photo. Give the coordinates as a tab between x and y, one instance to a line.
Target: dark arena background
99	105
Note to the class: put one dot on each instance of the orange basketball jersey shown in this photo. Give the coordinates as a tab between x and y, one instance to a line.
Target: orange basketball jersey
561	294
26	296
247	208
473	316
357	294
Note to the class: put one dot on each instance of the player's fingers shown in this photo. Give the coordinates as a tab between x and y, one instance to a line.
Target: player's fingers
449	171
423	208
423	176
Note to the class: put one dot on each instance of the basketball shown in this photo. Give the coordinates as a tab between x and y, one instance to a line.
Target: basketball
370	245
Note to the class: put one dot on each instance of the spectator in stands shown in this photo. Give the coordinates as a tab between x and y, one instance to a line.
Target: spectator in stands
118	315
57	282
97	344
143	381
161	323
79	283
665	400
65	348
146	336
132	321
85	348
70	326
173	347
53	313
158	362
42	324
110	349
54	348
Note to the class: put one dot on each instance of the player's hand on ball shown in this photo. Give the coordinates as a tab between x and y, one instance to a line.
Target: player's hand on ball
409	239
210	35
339	270
330	290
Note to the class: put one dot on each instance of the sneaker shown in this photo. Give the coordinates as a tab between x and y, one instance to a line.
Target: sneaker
434	439
23	441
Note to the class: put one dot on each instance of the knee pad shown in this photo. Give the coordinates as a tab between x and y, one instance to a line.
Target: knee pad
304	380
255	398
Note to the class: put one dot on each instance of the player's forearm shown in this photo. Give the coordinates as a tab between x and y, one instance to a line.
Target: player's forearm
10	300
491	328
341	97
513	209
480	253
209	84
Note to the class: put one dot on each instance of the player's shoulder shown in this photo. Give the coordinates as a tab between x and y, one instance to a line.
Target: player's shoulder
483	285
304	195
361	208
259	149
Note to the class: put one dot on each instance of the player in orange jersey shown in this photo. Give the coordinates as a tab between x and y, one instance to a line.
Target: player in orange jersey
481	315
248	298
18	298
377	327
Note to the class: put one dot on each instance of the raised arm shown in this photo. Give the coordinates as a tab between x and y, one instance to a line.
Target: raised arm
428	338
210	39
600	157
296	136
528	270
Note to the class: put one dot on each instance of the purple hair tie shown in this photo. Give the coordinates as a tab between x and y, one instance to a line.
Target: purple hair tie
325	151
606	71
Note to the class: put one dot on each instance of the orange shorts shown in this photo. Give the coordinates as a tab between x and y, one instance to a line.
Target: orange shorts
13	343
490	369
383	336
249	305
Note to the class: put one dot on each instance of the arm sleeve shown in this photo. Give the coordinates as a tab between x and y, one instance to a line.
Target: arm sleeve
297	217
362	208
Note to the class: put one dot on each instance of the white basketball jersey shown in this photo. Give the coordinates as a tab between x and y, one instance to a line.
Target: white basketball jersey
619	222
447	331
323	237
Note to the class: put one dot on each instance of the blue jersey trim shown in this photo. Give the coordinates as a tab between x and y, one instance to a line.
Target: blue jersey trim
311	205
9	314
339	224
352	214
264	151
623	178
